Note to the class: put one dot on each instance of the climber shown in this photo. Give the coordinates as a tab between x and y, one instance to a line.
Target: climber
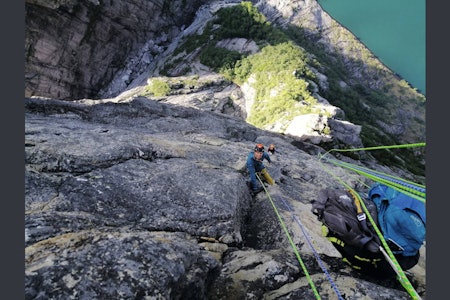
255	166
271	149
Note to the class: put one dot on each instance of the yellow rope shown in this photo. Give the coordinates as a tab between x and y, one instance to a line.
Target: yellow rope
390	256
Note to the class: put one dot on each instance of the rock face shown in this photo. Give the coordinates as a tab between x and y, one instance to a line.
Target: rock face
311	128
131	196
98	50
73	49
141	199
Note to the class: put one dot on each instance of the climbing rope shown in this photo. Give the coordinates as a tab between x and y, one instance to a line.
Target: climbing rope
316	255
305	271
412	189
404	281
409	188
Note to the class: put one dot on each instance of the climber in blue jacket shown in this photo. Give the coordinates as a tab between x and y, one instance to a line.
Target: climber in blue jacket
255	166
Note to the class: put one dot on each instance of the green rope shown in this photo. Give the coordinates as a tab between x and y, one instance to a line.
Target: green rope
404	281
369	174
400	274
311	283
408	191
381	147
391	176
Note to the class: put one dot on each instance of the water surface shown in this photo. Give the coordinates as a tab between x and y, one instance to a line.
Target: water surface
394	30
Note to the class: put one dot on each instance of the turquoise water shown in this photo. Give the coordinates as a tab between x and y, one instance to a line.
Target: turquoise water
394	30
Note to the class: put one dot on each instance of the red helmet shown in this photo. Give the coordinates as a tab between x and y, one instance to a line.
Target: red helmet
259	148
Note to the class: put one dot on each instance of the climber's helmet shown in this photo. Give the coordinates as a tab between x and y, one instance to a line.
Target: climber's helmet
259	148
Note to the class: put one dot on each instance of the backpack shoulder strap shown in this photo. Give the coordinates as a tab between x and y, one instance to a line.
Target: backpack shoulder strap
362	218
338	211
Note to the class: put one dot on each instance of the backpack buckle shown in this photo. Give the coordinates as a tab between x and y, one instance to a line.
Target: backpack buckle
361	217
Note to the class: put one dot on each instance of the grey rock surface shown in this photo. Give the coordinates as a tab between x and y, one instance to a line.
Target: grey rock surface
147	200
85	44
129	196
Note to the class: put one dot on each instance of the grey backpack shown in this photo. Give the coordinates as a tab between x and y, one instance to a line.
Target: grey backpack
341	213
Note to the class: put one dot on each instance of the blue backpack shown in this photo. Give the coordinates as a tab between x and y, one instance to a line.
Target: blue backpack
344	225
401	219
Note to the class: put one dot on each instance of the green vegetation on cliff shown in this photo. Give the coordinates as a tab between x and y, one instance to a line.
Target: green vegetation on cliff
281	74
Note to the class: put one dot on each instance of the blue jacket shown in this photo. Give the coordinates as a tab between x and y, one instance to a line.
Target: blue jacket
401	218
254	166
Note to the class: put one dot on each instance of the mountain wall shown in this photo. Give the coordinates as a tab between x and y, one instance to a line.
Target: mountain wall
73	49
95	49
